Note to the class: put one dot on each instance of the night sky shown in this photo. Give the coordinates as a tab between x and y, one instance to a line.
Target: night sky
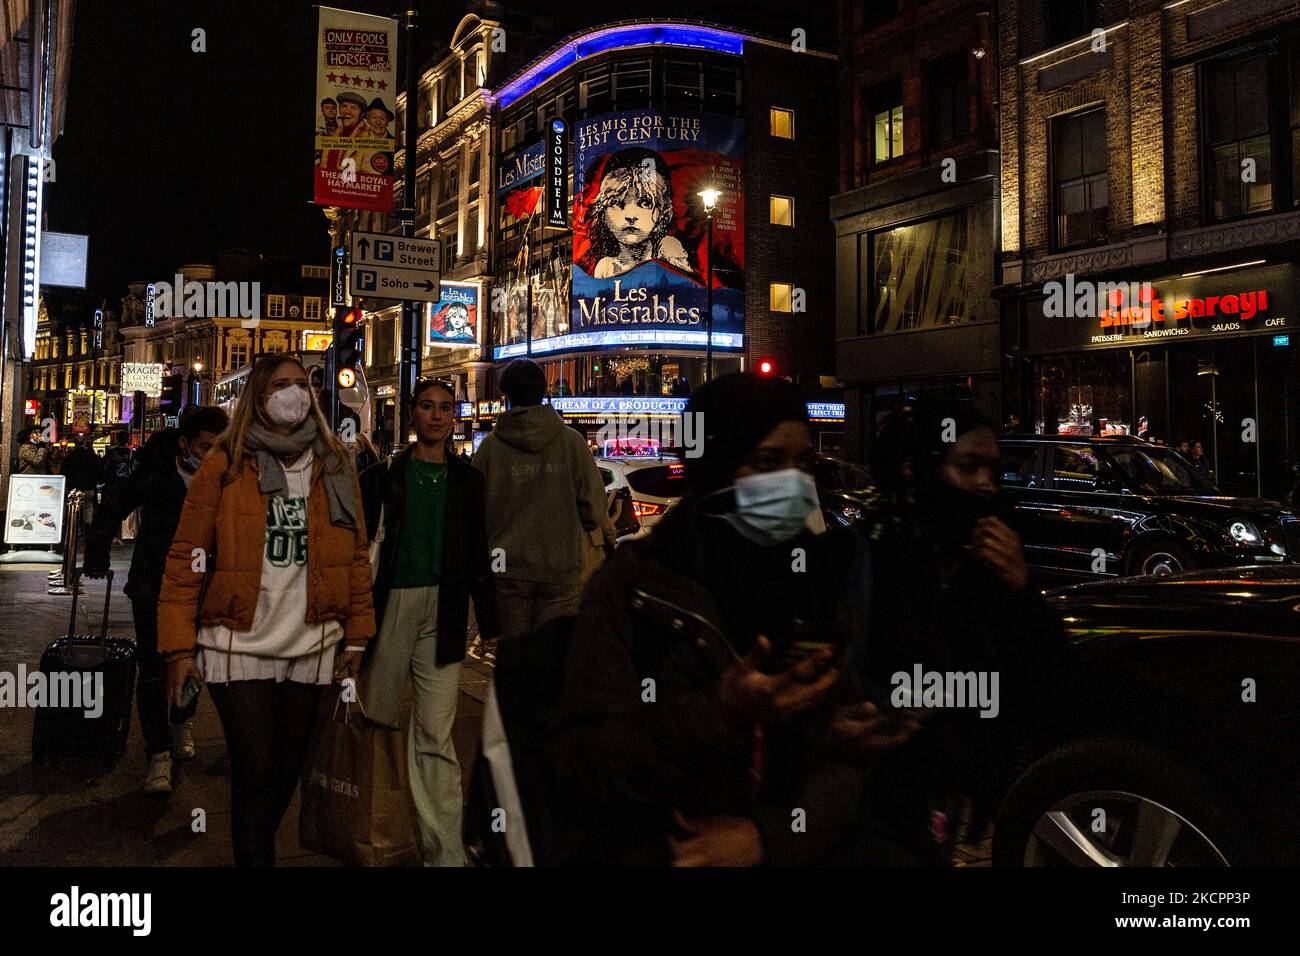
168	155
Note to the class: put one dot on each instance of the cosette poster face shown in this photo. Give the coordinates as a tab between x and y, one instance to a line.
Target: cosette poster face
640	232
453	319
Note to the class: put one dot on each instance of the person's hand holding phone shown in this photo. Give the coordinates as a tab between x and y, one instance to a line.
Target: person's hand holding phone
178	671
752	695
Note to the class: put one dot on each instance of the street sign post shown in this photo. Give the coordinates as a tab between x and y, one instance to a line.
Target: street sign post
395	267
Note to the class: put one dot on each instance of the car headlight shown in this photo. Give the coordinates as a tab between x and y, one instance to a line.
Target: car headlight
1244	531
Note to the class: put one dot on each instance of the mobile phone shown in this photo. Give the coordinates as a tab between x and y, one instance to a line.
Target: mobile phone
803	639
189	701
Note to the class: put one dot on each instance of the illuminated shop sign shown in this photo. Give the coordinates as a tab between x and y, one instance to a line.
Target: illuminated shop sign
1234	302
1152	312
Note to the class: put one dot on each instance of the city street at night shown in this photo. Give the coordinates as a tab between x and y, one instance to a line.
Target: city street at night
485	435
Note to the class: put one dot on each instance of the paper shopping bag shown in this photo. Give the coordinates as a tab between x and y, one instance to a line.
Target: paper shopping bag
356	800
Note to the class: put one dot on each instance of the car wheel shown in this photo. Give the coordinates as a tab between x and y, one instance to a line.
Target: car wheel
1161	560
1110	803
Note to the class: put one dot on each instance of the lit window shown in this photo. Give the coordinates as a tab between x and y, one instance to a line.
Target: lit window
780	296
782	123
889	133
311	308
275	306
782	211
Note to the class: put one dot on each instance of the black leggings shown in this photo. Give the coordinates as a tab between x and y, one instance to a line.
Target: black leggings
268	726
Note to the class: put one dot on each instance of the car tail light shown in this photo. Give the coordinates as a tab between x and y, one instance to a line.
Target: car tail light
646	509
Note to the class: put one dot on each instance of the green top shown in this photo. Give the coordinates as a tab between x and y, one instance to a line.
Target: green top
419	551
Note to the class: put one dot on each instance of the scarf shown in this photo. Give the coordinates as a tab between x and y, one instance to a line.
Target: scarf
268	446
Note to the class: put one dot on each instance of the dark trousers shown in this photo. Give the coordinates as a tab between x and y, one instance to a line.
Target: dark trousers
151	690
268	726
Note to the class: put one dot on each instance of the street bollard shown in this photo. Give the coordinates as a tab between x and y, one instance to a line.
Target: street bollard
71	541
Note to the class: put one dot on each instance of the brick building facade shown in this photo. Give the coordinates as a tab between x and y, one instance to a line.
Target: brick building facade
1157	143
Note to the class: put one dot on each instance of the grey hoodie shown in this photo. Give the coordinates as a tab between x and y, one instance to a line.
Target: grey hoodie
545	500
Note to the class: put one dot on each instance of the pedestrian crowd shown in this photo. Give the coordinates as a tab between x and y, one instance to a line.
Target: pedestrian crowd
721	691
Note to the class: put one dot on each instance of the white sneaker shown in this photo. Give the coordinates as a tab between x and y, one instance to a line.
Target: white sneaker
183	740
159	777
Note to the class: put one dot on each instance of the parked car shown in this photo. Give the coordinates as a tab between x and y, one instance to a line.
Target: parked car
1099	507
1176	742
845	492
655	485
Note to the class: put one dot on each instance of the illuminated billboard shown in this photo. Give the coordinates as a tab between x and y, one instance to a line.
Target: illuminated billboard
453	319
640	239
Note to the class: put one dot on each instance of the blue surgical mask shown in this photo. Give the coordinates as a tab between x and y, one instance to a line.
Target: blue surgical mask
773	506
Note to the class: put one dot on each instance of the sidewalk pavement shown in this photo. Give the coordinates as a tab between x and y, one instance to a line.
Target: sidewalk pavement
85	815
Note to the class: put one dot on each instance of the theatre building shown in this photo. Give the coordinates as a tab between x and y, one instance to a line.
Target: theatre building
1150	226
610	267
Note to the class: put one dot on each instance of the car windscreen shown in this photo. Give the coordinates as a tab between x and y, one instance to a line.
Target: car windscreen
837	475
661	481
1158	471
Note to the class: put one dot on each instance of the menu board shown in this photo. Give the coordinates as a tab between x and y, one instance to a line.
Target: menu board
35	511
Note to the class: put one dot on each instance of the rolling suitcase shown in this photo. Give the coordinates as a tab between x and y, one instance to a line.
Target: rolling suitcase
91	679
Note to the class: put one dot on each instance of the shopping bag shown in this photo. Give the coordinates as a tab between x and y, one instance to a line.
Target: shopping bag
356	797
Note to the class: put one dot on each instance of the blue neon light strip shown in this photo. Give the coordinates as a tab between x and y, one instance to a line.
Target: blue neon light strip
648	337
612	38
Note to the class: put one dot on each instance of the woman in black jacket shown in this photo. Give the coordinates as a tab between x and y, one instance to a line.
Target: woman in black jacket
428	506
952	595
697	724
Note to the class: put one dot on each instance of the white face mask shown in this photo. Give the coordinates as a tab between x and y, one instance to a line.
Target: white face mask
773	506
288	406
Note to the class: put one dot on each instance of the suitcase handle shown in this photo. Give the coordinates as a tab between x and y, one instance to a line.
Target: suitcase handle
108	597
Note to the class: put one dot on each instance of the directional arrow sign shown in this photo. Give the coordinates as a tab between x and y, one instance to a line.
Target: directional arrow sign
390	267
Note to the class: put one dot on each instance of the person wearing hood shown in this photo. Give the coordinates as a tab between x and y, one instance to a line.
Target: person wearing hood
545	505
709	714
951	594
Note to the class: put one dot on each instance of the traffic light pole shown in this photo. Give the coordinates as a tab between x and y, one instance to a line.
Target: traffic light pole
410	332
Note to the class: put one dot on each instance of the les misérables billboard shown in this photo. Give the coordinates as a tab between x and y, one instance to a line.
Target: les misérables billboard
640	234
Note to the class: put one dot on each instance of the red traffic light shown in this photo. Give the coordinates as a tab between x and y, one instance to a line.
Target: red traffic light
352	317
766	367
